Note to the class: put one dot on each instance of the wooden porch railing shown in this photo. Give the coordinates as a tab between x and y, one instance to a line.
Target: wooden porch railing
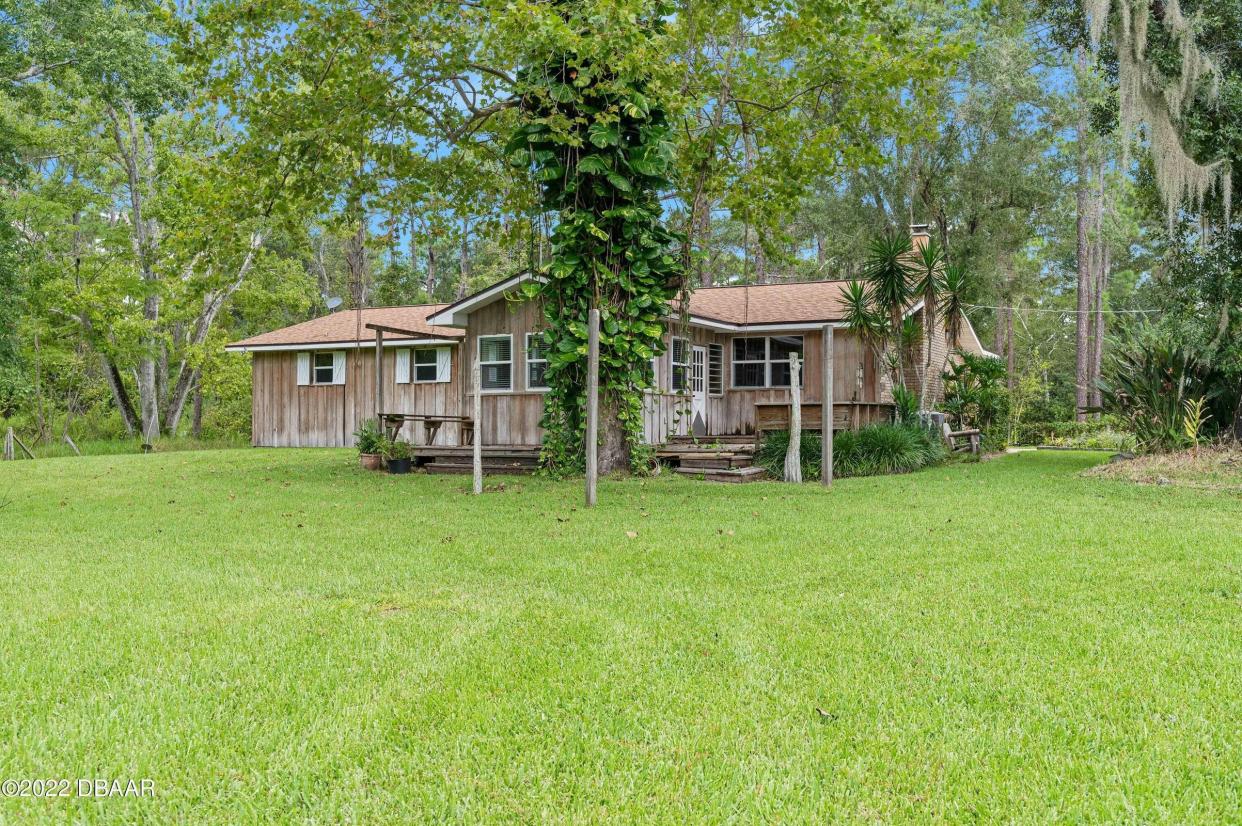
845	415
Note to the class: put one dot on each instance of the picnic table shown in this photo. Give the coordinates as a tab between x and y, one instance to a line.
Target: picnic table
393	422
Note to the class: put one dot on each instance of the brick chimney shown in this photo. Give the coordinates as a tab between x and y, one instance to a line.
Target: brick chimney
920	234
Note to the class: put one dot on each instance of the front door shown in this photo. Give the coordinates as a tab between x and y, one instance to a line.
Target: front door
698	391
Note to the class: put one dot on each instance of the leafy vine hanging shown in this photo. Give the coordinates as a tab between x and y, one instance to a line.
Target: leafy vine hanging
599	145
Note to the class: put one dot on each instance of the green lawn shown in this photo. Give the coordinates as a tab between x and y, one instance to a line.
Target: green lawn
278	636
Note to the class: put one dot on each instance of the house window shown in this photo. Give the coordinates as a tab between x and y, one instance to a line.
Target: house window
324	371
425	365
679	357
536	362
764	361
779	348
750	362
496	362
715	370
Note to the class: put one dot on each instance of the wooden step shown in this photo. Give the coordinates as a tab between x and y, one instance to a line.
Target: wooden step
728	461
736	439
489	468
732	475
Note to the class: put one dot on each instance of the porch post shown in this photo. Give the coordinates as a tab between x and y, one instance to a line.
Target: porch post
379	379
825	402
592	411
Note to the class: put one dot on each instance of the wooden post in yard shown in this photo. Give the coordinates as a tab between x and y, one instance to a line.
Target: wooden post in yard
825	398
69	442
477	378
793	455
8	445
379	380
592	411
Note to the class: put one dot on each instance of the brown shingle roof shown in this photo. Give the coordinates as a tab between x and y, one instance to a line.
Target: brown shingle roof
805	301
342	327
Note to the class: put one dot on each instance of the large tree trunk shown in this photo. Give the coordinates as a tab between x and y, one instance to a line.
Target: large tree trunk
1083	197
1103	260
137	154
614	449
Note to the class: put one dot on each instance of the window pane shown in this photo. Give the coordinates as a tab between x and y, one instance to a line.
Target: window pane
495	348
425	372
536	349
749	374
679	377
749	349
680	351
496	376
323	375
425	357
780	374
323	359
534	374
782	346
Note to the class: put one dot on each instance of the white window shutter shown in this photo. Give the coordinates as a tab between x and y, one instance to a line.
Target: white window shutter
303	369
444	364
403	366
338	367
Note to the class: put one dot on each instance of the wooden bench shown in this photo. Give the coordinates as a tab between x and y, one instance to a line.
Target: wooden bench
962	440
431	425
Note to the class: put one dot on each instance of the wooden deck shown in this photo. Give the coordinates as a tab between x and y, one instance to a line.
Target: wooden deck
505	459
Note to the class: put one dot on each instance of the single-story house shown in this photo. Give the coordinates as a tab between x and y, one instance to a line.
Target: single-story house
314	382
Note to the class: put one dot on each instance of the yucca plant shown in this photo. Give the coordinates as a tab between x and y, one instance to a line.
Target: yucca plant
888	274
1148	381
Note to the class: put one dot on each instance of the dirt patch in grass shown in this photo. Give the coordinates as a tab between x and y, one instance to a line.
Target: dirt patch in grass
1209	468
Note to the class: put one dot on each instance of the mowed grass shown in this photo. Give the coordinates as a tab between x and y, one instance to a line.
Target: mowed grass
277	636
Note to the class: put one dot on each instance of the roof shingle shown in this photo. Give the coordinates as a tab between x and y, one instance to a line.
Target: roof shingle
344	327
798	302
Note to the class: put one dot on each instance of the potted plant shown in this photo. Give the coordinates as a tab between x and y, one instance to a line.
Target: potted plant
370	443
398	455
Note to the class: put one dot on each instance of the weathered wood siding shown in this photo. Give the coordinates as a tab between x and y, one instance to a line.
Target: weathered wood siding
734	411
284	414
509	417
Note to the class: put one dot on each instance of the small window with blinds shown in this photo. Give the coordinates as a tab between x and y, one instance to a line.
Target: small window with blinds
679	359
496	362
715	370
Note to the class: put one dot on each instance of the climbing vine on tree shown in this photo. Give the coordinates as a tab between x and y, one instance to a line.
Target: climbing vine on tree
596	137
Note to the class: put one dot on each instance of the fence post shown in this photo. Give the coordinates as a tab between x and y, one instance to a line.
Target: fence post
825	456
8	445
793	455
477	377
592	411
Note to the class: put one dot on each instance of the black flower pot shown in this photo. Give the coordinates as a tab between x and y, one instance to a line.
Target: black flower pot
399	465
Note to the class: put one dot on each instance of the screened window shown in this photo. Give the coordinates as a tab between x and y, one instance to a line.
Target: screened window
779	348
750	362
679	358
496	362
536	362
764	361
324	368
715	369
